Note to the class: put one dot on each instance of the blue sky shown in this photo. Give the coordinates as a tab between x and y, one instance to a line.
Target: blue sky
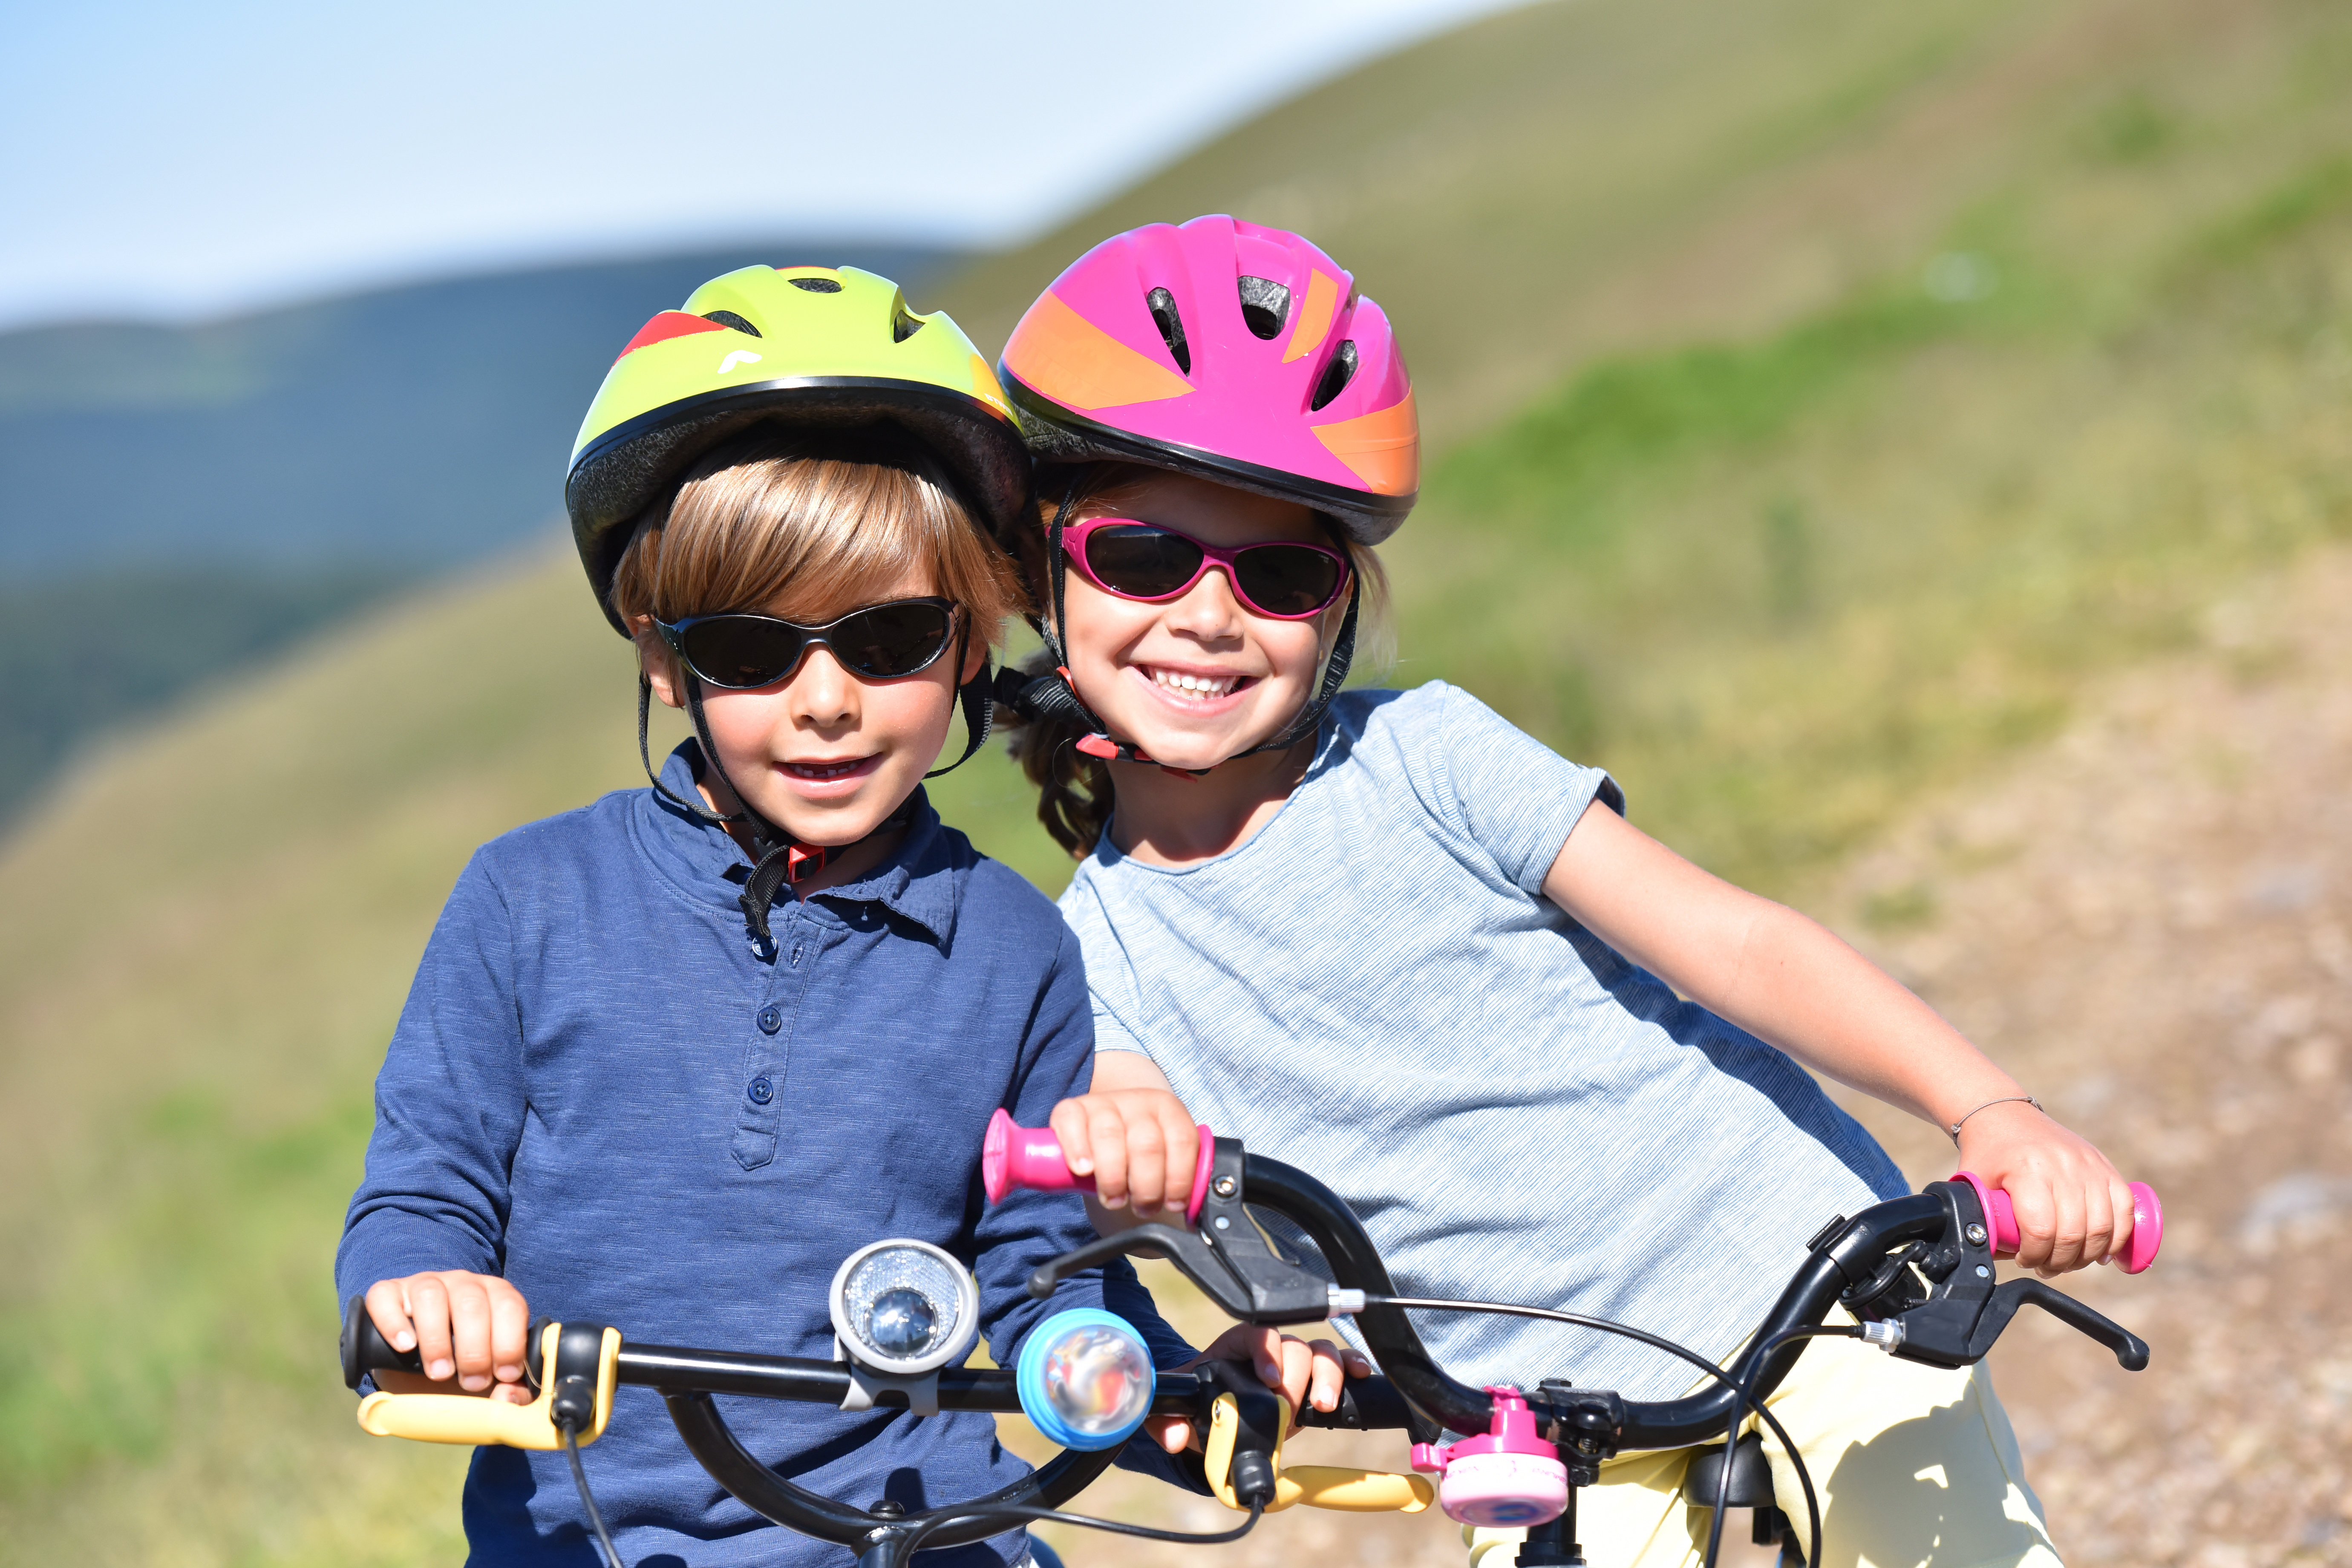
180	161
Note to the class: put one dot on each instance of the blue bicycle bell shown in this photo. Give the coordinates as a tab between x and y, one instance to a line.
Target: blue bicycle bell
1085	1379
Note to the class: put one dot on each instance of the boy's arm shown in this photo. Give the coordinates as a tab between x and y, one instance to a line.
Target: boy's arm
1791	982
425	1237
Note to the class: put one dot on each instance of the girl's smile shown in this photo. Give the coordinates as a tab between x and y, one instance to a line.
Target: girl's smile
1200	679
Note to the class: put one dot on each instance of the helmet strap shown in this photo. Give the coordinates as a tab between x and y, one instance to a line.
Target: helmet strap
978	698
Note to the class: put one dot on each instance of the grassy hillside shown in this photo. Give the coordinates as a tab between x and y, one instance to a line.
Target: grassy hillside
2079	355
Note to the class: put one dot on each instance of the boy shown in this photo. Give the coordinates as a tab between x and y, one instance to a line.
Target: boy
670	1057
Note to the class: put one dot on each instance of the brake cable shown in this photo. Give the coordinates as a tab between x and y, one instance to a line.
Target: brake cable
1023	1513
1742	1390
587	1497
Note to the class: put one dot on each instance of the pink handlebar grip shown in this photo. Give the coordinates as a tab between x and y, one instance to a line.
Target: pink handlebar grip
2147	1222
1031	1157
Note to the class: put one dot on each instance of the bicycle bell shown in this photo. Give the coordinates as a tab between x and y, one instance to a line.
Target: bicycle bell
904	1307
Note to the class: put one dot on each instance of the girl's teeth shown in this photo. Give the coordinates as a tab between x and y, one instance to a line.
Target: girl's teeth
1196	685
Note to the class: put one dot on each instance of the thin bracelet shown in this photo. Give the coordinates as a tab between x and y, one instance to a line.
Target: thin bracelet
2005	1099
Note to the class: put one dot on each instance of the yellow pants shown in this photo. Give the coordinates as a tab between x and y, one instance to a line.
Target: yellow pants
1915	1467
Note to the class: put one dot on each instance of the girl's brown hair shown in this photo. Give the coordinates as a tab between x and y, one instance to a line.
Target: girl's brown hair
1075	793
810	525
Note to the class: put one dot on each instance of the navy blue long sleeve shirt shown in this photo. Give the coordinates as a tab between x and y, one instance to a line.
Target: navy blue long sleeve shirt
600	1089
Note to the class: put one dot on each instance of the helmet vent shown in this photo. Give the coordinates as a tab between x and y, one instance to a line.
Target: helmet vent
816	284
904	325
1337	375
1266	305
1162	306
729	318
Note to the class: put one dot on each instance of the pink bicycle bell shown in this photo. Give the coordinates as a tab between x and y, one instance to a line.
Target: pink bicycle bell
1508	1479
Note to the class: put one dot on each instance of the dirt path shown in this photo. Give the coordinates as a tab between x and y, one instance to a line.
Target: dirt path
2150	923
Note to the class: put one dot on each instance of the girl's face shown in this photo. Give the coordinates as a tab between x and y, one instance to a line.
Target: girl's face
826	754
1194	681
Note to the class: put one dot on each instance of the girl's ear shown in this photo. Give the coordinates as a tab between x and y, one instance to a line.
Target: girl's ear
660	665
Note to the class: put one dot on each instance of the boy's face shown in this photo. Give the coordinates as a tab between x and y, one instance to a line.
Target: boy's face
1198	679
824	754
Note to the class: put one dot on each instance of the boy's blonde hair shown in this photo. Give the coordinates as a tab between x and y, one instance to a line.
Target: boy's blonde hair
809	526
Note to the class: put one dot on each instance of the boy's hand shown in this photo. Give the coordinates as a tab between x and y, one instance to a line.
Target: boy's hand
1301	1372
1139	1143
468	1328
2072	1207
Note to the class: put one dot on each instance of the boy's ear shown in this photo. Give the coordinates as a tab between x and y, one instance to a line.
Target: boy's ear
660	665
973	658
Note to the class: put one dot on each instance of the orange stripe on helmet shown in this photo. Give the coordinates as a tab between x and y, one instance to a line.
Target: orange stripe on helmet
1381	448
662	327
1315	314
1069	359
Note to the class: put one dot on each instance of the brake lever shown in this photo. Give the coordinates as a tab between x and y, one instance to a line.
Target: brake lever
1964	1311
1225	1254
2131	1350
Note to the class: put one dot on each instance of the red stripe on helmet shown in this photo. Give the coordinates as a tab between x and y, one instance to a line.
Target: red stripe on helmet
668	325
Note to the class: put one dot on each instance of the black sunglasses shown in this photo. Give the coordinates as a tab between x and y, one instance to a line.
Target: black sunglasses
740	652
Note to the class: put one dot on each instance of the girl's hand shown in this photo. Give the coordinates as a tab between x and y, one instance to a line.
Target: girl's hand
2072	1207
1301	1372
468	1328
1139	1143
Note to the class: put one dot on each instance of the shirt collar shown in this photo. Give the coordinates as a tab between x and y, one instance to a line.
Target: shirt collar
921	882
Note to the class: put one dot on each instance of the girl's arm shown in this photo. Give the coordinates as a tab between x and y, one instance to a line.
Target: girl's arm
1791	982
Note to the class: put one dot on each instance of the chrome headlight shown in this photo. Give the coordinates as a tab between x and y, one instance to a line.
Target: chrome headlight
904	1307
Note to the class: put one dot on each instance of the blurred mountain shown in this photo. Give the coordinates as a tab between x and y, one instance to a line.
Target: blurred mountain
176	502
1832	393
405	429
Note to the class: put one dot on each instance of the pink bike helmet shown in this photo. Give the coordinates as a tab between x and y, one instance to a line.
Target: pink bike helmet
1239	354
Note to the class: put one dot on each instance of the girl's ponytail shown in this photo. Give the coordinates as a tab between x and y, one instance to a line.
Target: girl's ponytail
1073	790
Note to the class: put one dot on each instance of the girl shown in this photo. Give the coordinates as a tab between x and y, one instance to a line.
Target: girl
1386	936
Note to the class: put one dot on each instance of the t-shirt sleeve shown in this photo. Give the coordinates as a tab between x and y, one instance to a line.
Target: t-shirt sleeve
1511	795
448	1107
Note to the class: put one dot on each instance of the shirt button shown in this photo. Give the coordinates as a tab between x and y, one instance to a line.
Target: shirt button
770	1020
761	1090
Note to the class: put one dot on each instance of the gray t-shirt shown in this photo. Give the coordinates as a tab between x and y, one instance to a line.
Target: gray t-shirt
1374	989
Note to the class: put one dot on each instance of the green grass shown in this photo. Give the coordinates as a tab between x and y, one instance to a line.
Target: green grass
1811	536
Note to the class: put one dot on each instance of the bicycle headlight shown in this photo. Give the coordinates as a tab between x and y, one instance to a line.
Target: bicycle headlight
904	1307
1085	1379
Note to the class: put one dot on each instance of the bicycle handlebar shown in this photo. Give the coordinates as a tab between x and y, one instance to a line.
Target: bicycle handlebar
1925	1259
1917	1268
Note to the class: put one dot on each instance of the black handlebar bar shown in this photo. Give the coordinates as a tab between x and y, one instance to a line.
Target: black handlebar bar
1920	1265
1925	1259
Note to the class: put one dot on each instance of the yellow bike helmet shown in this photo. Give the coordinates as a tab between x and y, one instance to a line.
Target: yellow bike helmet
810	346
802	346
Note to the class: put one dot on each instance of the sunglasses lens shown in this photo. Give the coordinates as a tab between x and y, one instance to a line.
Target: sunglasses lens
1287	579
741	653
891	639
1141	563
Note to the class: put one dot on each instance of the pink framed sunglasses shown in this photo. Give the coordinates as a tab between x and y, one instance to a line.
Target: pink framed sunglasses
1284	582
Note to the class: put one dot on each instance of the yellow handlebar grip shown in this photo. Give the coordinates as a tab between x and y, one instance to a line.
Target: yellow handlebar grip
464	1419
1351	1491
459	1419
